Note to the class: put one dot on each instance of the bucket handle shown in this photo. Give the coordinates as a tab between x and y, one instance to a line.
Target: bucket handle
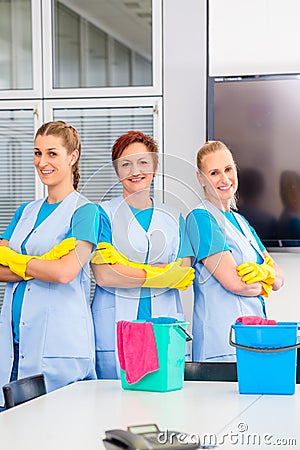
188	337
261	349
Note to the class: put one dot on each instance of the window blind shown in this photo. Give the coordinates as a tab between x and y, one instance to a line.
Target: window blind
17	173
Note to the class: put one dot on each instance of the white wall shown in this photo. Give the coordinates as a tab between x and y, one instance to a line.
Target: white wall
184	101
284	305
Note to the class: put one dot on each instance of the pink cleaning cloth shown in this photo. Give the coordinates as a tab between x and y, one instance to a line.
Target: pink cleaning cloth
137	349
255	320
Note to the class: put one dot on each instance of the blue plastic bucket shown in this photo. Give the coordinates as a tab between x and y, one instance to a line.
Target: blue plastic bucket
266	357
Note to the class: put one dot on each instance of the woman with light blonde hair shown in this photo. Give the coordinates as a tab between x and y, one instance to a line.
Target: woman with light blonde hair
233	270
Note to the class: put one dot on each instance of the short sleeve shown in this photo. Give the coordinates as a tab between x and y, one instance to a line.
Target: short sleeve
10	228
185	247
86	224
106	232
205	234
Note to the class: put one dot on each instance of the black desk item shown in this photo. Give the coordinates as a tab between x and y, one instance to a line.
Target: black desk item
149	437
24	389
210	371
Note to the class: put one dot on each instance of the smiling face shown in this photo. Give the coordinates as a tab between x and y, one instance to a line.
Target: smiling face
219	177
53	162
135	169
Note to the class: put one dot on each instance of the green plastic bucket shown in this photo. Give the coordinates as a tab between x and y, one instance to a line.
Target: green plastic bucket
266	357
171	348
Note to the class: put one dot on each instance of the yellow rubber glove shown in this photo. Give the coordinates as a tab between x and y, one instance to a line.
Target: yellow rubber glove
107	254
266	289
269	261
170	276
15	261
18	262
60	250
252	272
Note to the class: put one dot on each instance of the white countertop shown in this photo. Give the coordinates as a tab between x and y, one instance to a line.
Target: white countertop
76	417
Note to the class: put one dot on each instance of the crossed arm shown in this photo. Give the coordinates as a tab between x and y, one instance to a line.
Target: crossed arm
62	270
224	268
122	276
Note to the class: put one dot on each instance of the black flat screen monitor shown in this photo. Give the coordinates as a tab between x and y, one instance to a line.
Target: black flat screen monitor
258	117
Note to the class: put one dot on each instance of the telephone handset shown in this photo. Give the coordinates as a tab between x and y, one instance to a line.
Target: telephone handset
149	437
118	439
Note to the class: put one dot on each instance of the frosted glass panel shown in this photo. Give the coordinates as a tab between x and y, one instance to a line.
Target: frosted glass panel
120	65
67	67
97	62
102	44
15	45
141	72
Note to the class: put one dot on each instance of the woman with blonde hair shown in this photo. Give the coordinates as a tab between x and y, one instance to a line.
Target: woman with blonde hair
234	271
46	324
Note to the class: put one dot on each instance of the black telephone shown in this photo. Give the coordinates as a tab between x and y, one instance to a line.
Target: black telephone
118	439
147	437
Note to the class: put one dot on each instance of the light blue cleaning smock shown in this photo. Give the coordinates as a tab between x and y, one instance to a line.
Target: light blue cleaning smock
154	236
55	330
215	308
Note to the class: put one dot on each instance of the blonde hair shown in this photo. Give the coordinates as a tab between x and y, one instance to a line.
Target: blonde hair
70	138
207	148
211	147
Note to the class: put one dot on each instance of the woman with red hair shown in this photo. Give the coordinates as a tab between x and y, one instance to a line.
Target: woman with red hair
143	257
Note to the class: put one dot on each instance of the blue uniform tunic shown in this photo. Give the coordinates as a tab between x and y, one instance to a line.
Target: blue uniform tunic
212	231
150	236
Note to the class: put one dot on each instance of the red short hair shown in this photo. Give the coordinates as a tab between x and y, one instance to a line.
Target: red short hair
130	138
